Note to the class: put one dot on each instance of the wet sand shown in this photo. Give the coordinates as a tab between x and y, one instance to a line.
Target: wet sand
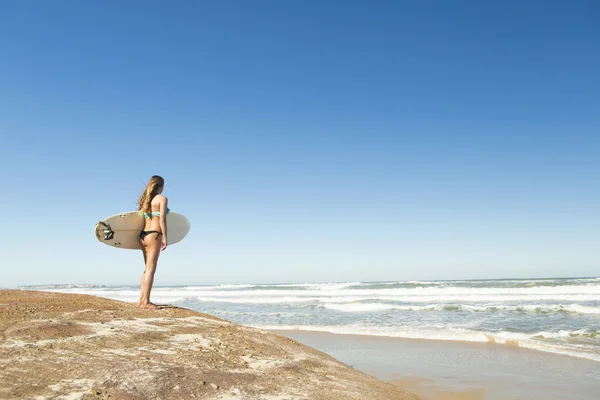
452	370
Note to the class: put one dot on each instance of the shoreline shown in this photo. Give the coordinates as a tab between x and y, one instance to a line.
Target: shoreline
440	369
593	357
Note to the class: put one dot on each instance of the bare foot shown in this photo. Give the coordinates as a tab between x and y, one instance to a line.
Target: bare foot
149	306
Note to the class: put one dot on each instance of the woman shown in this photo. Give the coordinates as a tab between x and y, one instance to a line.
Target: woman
154	236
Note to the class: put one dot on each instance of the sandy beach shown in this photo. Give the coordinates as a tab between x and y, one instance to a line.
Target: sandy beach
448	370
72	346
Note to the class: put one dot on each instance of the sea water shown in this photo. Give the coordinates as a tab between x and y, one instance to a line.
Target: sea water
553	315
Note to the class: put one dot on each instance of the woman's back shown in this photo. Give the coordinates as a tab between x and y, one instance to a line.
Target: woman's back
153	217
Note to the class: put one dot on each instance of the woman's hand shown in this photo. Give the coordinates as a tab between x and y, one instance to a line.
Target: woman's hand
163	243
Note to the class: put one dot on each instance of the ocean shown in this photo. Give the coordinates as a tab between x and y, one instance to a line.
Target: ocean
552	315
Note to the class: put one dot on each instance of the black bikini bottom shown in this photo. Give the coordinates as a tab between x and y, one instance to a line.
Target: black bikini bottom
143	234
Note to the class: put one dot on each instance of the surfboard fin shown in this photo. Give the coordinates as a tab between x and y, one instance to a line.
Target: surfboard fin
108	232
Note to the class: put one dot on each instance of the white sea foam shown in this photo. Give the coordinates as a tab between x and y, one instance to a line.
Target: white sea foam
236	297
538	308
584	309
347	293
289	286
359	307
217	287
356	289
343	290
284	297
531	341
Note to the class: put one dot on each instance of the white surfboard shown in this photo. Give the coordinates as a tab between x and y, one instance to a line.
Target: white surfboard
123	230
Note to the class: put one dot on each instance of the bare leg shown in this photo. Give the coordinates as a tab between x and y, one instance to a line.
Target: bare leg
142	278
152	252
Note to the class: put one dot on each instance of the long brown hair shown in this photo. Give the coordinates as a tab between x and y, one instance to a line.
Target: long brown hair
152	188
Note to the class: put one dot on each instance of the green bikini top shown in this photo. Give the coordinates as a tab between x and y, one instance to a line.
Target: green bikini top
155	213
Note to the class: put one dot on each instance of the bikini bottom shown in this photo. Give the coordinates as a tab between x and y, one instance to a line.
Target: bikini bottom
143	234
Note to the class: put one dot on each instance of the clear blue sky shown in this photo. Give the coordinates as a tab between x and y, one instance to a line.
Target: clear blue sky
305	141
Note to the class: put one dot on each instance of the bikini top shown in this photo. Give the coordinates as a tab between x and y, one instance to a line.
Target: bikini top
155	213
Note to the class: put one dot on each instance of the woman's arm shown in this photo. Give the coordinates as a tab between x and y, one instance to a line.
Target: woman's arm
163	220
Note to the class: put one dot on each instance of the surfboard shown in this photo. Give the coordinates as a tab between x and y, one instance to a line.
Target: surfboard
123	230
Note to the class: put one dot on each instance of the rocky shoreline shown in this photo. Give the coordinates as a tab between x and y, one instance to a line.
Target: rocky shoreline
71	346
